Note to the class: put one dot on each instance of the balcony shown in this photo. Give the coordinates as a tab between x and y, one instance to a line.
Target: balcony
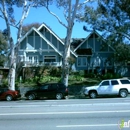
36	64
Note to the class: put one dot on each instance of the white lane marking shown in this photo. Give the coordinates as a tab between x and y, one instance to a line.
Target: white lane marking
92	125
66	105
60	113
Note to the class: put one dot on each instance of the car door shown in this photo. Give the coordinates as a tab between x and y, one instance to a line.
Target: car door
2	93
43	91
115	87
52	90
104	88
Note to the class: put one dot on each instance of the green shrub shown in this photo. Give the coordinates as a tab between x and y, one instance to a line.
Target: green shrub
55	71
5	83
111	76
90	75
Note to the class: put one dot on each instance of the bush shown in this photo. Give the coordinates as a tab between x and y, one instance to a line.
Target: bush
55	71
111	76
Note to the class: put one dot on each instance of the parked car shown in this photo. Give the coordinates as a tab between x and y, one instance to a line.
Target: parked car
8	95
50	90
119	87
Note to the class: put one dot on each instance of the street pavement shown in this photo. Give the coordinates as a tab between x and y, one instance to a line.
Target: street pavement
69	114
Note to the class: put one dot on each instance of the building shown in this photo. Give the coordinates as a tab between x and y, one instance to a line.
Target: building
42	46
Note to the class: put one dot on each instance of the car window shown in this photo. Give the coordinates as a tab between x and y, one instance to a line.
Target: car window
3	90
114	82
105	83
45	87
125	81
53	87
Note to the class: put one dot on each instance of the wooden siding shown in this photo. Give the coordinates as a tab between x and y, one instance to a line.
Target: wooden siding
37	42
23	44
44	45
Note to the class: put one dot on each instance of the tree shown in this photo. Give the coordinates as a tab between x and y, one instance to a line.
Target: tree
27	27
71	9
3	49
7	13
122	55
110	17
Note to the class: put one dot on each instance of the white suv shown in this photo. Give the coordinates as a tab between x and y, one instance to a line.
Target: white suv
119	87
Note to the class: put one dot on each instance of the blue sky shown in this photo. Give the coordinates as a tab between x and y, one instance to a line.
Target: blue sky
42	15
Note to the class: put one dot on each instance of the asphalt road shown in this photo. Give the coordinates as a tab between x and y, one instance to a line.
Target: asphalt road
71	114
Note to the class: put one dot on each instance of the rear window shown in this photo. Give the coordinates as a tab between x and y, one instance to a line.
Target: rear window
125	81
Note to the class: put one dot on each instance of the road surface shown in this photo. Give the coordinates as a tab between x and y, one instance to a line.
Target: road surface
71	114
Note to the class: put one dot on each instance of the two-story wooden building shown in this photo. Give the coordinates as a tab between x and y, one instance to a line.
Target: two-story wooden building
43	47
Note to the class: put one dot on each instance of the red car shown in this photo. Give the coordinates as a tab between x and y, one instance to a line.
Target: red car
8	95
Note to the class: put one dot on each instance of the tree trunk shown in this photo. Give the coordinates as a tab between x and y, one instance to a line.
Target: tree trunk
65	69
12	66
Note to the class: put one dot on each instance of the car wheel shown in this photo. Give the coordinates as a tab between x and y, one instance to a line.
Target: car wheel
93	94
123	93
59	96
31	97
9	98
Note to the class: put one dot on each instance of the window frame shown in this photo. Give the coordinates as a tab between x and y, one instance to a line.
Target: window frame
81	60
44	58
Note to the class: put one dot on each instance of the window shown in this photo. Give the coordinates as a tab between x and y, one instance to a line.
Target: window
49	58
125	81
114	82
45	87
35	59
30	59
53	87
79	61
105	83
82	61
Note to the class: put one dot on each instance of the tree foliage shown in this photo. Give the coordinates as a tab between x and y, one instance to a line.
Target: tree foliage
110	17
27	27
7	9
3	49
122	55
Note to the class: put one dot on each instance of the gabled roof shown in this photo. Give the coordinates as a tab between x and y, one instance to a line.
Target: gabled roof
88	37
43	37
44	25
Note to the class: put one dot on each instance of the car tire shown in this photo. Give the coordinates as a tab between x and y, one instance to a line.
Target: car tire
59	96
31	97
93	94
9	98
123	93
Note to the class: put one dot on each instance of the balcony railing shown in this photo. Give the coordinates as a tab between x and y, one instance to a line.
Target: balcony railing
30	64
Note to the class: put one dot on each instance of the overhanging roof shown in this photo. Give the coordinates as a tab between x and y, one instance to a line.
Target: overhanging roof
43	37
87	39
44	25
